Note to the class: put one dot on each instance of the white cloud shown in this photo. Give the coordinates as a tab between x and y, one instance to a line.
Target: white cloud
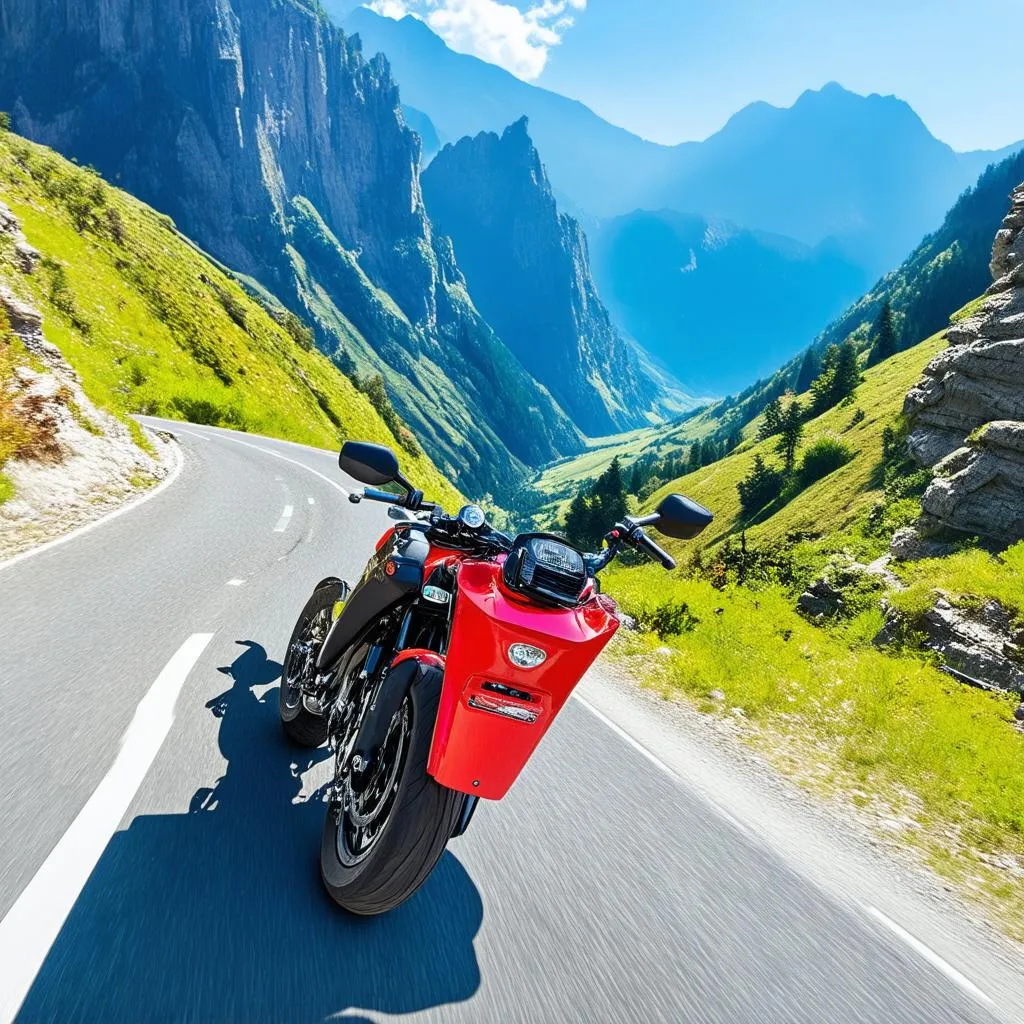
517	39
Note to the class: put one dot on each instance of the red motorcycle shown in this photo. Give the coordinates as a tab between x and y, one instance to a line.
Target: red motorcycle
435	677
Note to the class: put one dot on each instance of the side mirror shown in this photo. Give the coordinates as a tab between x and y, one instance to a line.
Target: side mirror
371	464
681	517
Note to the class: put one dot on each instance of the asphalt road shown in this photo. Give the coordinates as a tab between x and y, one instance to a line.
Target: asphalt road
603	889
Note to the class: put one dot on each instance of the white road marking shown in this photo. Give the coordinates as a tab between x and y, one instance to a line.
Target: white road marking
32	925
658	763
141	500
312	501
276	455
286	518
193	433
234	583
930	955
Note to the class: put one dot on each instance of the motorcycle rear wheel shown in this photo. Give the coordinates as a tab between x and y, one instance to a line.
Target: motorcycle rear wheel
421	818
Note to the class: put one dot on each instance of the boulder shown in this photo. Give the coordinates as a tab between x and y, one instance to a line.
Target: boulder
820	599
984	647
967	411
27	256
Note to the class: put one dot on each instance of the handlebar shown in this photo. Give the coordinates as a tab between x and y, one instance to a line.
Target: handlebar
629	531
642	541
412	500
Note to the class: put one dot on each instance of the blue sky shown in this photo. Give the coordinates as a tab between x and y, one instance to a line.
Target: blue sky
672	70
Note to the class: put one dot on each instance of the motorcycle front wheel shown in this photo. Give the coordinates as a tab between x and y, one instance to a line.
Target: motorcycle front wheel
379	847
303	726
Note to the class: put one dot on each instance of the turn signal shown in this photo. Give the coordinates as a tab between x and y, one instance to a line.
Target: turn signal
526	656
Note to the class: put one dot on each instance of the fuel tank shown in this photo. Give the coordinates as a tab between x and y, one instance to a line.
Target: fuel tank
394	572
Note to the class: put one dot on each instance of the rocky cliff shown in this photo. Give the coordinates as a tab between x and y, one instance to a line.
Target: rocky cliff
65	462
967	412
244	118
528	271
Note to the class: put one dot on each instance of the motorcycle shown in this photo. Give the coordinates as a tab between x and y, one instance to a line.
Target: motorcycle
434	678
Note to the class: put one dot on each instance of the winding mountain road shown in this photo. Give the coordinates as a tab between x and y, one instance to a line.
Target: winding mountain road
158	842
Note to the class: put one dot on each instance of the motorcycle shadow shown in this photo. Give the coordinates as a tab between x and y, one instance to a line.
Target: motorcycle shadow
219	914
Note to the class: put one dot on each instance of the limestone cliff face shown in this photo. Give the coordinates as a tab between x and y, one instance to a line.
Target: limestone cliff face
224	114
528	271
967	412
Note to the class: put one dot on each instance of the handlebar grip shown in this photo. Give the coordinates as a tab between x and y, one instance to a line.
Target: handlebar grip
375	495
642	541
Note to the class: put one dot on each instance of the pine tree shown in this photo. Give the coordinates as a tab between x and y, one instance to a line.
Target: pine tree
808	371
838	379
763	485
790	434
694	462
885	335
636	478
608	502
577	522
847	371
772	422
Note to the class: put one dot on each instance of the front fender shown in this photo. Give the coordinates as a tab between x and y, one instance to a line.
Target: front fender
420	654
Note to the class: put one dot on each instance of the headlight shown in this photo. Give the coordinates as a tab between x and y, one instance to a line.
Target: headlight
526	656
546	568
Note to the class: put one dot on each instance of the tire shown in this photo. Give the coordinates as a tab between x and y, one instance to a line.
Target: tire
421	821
303	727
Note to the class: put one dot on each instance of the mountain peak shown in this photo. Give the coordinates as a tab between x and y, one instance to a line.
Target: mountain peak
528	272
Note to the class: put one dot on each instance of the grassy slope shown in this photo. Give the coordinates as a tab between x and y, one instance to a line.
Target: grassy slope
885	730
834	503
152	326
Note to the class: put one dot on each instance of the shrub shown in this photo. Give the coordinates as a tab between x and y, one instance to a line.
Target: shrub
763	485
667	618
825	456
301	333
5	121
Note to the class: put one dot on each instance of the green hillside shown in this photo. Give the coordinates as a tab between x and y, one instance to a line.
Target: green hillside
153	326
880	727
834	503
948	269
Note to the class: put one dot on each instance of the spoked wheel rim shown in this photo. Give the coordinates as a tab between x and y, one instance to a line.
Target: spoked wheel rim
301	654
364	817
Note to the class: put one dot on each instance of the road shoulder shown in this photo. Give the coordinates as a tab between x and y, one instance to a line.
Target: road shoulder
836	851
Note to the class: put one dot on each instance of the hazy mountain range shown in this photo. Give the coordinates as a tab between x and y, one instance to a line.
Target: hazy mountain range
718	304
528	270
863	170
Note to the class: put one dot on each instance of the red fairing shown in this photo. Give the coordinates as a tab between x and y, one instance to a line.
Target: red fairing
478	751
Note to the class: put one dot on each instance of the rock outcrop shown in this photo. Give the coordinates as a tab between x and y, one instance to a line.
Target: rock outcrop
71	461
240	117
528	271
983	647
967	412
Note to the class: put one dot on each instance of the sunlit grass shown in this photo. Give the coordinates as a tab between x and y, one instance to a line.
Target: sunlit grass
891	723
968	579
154	327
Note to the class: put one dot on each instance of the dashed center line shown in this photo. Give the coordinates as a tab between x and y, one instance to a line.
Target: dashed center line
234	583
312	501
286	517
930	955
32	925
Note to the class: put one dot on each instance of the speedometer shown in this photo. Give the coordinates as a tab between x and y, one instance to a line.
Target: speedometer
472	516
